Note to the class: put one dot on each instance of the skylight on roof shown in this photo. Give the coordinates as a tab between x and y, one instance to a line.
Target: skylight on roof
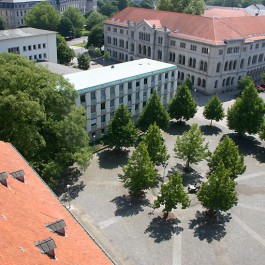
18	174
3	177
46	246
57	226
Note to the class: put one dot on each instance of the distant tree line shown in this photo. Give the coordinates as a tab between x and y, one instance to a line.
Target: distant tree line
234	3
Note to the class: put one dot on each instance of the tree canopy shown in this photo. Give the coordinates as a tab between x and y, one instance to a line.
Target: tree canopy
121	131
171	194
214	110
139	174
190	146
2	23
64	53
246	114
93	19
153	112
108	9
43	16
218	193
39	117
195	7
83	61
182	106
65	27
155	145
76	18
227	153
96	37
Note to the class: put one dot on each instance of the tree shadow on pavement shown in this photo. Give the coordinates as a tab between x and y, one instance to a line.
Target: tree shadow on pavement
110	159
177	128
210	229
69	177
163	229
210	130
128	205
249	145
188	177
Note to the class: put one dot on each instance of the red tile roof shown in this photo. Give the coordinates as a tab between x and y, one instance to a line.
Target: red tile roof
221	12
25	209
208	29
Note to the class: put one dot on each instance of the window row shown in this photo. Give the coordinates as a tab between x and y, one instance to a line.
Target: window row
38	57
144	36
34	47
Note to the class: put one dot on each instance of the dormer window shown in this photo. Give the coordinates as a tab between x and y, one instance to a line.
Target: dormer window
18	174
46	246
3	177
57	227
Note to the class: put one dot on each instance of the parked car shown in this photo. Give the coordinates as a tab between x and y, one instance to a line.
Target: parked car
193	188
260	88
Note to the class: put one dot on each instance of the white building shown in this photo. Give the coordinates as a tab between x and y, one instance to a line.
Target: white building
214	52
102	90
35	44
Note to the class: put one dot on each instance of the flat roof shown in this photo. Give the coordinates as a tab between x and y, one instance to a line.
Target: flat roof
56	68
115	74
22	33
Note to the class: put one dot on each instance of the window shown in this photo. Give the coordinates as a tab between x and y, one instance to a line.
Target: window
39	46
145	93
24	48
44	55
30	57
108	28
103	118
159	77
112	103
137	83
172	42
112	90
44	45
29	47
132	34
205	50
137	95
109	40
221	52
35	57
121	31
83	98
257	46
166	75
193	47
93	108
216	84
121	100
160	40
114	29
93	95
34	47
129	85
103	106
93	122
103	94
182	45
121	89
218	67
145	81
129	98
136	107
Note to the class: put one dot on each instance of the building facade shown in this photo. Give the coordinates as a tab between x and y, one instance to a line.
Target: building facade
214	52
35	44
14	11
102	90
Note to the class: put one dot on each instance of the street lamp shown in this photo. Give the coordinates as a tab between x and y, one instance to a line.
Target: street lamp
69	195
94	137
164	163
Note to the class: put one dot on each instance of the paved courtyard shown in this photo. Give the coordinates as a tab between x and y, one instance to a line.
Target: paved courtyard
133	234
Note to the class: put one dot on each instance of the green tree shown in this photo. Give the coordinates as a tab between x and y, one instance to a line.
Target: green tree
214	110
121	131
262	130
122	4
244	82
93	19
83	61
2	23
218	193
172	193
107	55
153	112
195	7
155	145
65	27
43	16
39	117
139	174
147	4
182	106
64	53
227	153
96	37
108	9
76	18
190	146
246	114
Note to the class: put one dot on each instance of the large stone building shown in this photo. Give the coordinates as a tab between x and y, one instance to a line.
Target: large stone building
214	52
14	11
102	90
35	44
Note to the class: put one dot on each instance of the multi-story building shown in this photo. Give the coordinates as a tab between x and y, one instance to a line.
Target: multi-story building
214	52
102	90
14	11
35	44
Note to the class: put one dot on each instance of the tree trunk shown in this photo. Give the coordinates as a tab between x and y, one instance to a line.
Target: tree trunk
165	215
211	122
187	165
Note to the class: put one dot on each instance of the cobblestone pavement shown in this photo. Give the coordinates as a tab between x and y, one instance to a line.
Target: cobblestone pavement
133	234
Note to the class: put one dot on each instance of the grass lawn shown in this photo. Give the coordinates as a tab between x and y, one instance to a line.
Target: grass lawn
80	44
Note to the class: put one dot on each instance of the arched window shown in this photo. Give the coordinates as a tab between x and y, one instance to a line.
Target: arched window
144	50
180	59
228	81
140	49
182	76
242	63
203	82
194	63
183	60
218	67
216	84
192	79
159	55
226	66
174	57
205	67
234	64
223	84
230	65
199	81
149	51
249	60
201	65
232	80
190	62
